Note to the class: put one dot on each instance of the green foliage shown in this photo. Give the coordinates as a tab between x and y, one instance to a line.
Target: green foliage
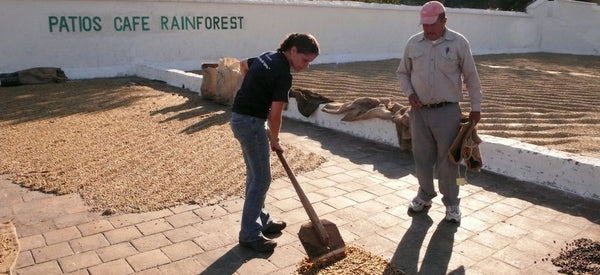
505	5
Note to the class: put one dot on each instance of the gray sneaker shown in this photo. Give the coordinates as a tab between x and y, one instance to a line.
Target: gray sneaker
453	213
417	204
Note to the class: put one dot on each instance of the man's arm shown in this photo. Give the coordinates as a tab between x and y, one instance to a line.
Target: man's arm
472	83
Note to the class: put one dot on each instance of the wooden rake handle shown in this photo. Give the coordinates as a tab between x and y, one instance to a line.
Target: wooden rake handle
317	225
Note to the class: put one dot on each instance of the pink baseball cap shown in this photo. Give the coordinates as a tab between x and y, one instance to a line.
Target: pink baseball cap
430	12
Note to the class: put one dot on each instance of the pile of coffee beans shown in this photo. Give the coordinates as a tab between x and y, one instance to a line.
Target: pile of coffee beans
581	256
356	261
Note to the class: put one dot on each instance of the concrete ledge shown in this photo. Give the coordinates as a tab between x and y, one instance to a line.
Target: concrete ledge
508	157
173	77
565	171
568	172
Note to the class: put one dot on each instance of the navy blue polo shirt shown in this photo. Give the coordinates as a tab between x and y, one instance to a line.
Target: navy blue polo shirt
268	79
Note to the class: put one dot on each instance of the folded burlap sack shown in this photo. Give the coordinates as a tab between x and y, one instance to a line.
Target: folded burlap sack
466	147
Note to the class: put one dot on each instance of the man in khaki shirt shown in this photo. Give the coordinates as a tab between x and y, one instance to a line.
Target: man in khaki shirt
435	64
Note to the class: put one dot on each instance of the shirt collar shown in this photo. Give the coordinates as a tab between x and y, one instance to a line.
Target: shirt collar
448	35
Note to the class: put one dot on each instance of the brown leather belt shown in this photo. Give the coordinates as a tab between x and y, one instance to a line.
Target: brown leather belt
438	105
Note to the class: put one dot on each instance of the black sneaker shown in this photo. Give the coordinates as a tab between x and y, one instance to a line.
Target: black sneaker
274	228
263	244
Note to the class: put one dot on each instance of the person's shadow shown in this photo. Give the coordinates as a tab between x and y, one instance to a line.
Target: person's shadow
438	253
232	260
406	256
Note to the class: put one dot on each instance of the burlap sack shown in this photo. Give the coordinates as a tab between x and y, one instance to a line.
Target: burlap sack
39	75
208	89
229	80
9	247
307	100
466	147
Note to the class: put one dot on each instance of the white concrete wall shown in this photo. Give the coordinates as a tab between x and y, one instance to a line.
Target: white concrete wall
567	26
89	42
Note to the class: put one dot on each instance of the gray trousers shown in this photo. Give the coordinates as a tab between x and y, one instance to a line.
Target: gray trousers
433	131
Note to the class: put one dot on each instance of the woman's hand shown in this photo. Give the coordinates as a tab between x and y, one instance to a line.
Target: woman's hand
275	146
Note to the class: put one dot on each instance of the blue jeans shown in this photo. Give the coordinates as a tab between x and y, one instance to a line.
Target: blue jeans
252	134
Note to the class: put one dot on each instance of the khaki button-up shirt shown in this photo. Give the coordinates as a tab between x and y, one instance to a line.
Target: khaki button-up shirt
436	70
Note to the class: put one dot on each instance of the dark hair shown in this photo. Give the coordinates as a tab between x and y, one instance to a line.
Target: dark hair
441	16
304	42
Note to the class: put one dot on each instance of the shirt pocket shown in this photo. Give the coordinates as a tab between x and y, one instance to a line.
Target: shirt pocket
449	60
418	60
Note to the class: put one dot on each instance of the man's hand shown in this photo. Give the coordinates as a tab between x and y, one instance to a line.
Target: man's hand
414	101
474	117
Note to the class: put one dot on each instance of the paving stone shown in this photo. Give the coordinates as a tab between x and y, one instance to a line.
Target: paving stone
73	219
354	185
286	255
148	259
154	215
79	261
32	242
494	266
474	250
214	240
123	234
232	206
506	210
492	239
184	208
372	206
339	202
78	272
47	268
282	193
320	208
150	242
331	192
286	204
182	234
62	235
125	220
182	250
51	252
341	178
25	259
514	257
473	224
183	219
151	271
210	212
119	266
117	251
95	227
89	243
563	228
183	267
154	226
378	189
508	230
256	266
384	220
359	195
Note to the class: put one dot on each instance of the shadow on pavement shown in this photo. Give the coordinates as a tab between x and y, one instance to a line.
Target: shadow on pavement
231	261
387	160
